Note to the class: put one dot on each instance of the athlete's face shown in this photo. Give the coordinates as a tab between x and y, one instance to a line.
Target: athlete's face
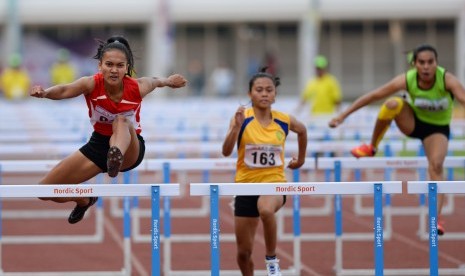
113	66
426	65
263	92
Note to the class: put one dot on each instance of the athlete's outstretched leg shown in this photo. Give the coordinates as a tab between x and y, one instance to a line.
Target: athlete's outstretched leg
74	169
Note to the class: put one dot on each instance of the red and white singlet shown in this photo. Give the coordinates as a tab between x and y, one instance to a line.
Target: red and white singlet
102	110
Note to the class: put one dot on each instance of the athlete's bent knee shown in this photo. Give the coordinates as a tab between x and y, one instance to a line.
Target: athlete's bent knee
120	120
391	108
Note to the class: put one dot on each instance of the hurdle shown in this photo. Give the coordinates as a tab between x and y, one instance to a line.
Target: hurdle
420	164
101	190
432	188
334	146
159	149
169	134
301	189
39	166
191	164
167	166
335	164
393	163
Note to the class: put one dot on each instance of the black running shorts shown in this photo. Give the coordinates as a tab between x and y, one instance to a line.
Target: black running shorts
423	130
97	149
246	206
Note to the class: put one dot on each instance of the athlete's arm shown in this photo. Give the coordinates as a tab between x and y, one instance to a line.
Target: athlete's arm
301	131
148	84
455	87
80	86
396	84
233	131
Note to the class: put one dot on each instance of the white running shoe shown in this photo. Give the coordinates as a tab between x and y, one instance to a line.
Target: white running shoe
272	266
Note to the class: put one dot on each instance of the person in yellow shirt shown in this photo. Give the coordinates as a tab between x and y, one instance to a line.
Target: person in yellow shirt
62	71
322	92
15	81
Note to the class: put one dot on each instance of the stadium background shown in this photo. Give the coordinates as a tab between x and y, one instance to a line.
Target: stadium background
365	42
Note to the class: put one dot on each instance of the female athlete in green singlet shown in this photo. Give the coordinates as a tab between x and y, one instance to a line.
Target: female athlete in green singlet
426	115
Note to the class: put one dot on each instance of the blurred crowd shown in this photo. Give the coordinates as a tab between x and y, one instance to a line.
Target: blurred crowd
15	80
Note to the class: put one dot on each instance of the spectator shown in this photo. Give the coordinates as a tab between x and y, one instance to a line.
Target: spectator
322	92
14	80
222	79
62	71
196	78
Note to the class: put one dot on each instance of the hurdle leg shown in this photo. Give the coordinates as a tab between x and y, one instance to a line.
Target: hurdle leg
155	231
167	233
338	231
378	229
338	220
296	227
167	222
433	232
127	236
214	230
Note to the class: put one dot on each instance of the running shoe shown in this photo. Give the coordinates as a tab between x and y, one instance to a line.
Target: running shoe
363	150
79	211
272	267
114	161
440	228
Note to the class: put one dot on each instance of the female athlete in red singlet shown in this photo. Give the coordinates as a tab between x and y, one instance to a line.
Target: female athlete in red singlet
114	100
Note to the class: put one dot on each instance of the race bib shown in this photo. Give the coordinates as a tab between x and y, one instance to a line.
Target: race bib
263	156
432	105
103	116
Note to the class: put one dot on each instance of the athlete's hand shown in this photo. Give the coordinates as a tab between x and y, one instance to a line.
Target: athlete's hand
295	163
239	116
37	91
335	122
176	81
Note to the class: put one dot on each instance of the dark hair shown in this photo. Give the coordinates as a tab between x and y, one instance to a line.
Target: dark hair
263	74
422	48
119	43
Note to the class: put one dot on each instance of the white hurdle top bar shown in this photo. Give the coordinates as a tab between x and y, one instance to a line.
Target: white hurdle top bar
443	187
176	164
386	162
213	164
87	190
296	188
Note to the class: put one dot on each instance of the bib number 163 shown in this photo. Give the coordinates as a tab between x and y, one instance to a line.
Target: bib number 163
263	156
